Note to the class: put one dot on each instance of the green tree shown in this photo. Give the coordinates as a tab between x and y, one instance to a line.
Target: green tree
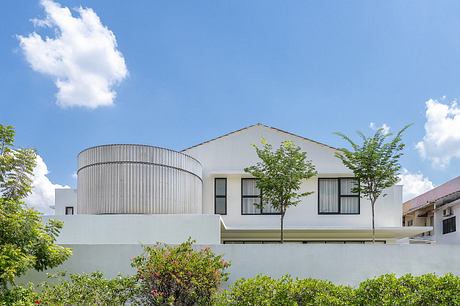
279	175
375	164
25	241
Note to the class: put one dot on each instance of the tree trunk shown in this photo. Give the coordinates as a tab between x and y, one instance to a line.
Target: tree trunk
373	222
282	225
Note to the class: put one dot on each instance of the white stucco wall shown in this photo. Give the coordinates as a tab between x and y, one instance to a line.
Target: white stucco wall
138	229
343	264
450	238
64	197
229	155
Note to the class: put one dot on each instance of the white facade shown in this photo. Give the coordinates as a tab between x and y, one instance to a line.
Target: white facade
439	218
225	158
65	198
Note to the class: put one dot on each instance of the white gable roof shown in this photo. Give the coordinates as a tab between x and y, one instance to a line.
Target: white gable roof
232	152
259	125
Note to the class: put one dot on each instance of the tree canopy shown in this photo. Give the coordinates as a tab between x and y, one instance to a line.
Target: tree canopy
279	175
25	241
374	162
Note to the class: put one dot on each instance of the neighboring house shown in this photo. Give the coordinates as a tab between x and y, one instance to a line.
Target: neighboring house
206	187
437	208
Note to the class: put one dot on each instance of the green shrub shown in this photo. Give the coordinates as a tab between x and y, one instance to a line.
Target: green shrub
178	275
427	289
19	296
260	290
88	289
264	290
320	292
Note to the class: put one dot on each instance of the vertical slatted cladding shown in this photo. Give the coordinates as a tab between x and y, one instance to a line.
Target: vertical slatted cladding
138	179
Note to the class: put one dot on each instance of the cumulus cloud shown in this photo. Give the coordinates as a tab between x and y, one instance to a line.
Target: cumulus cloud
42	196
384	127
82	57
441	142
414	184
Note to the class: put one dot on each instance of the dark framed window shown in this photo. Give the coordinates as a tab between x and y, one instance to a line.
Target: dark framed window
220	196
336	196
251	199
69	210
448	225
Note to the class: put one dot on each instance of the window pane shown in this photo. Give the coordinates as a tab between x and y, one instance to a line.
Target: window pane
328	195
347	185
269	209
221	204
349	205
250	206
250	187
221	187
448	225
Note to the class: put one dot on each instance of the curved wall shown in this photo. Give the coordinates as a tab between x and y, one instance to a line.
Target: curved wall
138	179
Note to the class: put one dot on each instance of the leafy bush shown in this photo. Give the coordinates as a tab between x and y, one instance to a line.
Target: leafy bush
264	290
178	275
427	289
19	296
88	289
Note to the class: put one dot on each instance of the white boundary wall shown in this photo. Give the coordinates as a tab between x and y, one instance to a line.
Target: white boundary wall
343	264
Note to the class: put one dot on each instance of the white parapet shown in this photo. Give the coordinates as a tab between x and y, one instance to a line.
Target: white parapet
138	229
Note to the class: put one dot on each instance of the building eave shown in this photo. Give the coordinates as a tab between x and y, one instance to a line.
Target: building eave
321	233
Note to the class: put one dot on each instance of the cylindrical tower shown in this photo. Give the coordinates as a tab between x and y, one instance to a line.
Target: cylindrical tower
138	179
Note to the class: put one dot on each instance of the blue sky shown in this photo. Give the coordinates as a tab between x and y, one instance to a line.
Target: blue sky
199	69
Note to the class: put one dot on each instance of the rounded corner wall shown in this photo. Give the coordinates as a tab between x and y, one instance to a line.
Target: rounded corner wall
138	179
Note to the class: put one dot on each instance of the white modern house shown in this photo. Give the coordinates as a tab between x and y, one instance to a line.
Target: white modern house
437	208
130	194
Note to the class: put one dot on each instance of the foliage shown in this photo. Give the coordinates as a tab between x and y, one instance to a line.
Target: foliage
88	289
19	296
375	163
264	290
424	290
178	275
279	175
25	242
16	166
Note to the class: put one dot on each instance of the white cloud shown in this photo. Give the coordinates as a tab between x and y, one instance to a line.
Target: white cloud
384	127
414	184
82	57
441	142
42	196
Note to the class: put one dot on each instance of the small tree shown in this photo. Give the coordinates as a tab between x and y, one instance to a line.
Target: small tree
375	164
279	175
25	242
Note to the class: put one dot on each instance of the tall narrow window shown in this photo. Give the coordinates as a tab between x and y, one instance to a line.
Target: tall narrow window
69	210
448	225
336	196
220	196
251	199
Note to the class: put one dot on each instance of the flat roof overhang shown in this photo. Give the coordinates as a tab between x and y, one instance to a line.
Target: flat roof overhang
321	233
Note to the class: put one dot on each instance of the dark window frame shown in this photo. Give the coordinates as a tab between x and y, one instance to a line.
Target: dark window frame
339	197
254	197
220	196
449	228
73	211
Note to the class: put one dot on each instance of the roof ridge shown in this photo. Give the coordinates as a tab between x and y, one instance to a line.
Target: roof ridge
258	124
